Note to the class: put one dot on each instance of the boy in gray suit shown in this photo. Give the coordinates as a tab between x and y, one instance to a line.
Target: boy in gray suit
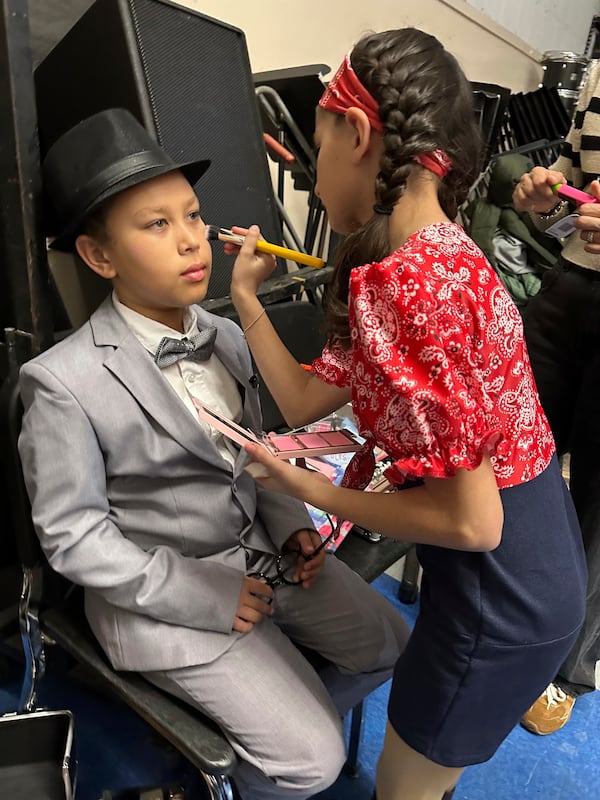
152	512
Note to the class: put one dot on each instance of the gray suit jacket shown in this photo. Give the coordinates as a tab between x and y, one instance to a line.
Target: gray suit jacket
132	500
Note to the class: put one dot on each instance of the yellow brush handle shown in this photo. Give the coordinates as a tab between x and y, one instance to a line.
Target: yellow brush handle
293	255
266	247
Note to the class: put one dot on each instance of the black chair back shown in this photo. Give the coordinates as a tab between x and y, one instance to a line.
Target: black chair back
27	544
299	325
11	412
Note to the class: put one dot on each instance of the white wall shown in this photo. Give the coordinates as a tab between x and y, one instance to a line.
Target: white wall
544	24
285	33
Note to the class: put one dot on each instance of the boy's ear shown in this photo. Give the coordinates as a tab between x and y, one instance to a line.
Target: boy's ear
91	251
361	130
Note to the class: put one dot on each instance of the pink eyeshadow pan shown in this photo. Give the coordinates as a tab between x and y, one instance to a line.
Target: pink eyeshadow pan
311	439
286	443
335	437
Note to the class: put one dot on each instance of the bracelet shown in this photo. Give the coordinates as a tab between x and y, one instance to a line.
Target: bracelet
254	321
557	209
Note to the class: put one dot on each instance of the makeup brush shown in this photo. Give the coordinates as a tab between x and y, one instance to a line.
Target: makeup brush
225	235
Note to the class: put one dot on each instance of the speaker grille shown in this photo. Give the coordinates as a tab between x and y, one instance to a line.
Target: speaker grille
201	93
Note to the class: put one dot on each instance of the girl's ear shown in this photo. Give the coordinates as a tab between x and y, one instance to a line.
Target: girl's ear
92	252
361	130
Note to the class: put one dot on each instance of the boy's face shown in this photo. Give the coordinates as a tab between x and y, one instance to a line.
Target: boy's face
155	249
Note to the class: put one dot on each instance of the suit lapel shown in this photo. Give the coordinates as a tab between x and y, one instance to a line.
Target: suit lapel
133	366
230	353
231	356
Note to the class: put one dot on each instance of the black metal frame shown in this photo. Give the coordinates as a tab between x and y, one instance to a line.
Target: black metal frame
22	250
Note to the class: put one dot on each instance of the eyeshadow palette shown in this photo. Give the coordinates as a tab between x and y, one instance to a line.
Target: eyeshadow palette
285	445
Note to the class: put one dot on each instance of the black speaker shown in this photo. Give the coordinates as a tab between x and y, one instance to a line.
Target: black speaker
187	78
300	327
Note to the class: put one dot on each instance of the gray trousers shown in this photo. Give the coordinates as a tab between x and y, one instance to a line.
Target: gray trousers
578	673
562	330
284	720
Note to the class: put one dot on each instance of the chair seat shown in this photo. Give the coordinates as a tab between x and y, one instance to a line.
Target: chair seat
191	733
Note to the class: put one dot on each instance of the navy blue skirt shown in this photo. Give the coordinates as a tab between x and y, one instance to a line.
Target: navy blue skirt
493	628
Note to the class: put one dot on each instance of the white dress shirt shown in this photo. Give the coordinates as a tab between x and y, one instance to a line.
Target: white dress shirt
208	381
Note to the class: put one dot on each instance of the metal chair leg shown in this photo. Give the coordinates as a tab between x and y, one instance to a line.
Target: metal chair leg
219	786
408	591
352	767
31	638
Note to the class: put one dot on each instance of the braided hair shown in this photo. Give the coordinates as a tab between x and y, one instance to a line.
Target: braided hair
425	104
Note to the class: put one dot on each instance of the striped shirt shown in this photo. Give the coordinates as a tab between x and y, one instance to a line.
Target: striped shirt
579	162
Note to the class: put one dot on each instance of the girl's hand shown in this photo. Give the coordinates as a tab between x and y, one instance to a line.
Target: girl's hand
589	221
250	268
278	475
534	192
306	543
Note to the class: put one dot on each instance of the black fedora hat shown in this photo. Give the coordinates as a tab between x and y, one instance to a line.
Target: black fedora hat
97	158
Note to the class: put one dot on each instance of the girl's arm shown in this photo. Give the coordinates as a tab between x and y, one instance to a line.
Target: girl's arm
300	396
462	513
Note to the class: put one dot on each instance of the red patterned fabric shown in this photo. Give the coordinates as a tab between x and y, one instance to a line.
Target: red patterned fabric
438	367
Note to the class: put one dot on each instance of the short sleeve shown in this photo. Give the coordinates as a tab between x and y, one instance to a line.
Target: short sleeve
421	366
334	366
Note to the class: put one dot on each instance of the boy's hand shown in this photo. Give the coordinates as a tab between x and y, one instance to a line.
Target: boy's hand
250	268
305	542
251	608
534	192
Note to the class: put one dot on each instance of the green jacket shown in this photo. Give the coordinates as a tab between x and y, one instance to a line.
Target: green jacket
486	215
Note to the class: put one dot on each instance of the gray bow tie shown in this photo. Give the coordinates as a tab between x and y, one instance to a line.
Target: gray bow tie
199	347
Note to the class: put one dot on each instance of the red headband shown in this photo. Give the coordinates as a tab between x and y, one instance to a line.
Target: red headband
345	91
437	162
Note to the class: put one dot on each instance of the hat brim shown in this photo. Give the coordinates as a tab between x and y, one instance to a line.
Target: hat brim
192	170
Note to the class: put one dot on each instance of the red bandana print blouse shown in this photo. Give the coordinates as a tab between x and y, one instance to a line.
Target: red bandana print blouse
438	367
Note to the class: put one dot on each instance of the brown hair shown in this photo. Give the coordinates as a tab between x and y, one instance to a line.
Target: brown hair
425	104
96	223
